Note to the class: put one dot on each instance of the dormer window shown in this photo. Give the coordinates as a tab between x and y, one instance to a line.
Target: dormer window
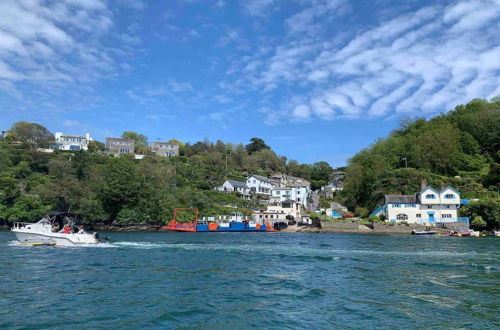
430	196
449	196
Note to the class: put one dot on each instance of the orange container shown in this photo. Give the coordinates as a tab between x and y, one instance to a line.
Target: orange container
212	226
257	226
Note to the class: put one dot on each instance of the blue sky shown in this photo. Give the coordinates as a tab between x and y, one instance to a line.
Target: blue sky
317	79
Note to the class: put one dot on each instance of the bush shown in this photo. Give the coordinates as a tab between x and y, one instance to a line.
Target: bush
478	223
487	209
374	218
361	212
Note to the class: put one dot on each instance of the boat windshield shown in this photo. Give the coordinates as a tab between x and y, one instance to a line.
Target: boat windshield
44	221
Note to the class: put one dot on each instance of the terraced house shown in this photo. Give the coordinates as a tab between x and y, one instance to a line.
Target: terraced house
429	206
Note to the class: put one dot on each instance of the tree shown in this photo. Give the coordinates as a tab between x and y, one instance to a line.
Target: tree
361	212
256	144
80	164
141	140
36	135
95	146
479	223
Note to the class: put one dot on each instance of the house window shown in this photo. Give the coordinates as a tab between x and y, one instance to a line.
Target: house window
447	206
449	196
430	196
446	216
401	217
429	206
418	215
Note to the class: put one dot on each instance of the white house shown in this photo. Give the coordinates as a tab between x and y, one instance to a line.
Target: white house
287	207
429	206
260	185
71	142
280	212
240	188
298	193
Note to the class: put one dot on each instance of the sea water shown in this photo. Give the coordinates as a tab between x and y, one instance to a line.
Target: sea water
252	280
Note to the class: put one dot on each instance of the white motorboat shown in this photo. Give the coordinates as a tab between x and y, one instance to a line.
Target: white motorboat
56	229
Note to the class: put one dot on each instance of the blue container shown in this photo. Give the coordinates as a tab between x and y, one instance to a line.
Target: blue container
201	227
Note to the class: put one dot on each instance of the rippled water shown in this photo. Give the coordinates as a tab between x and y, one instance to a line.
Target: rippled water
243	280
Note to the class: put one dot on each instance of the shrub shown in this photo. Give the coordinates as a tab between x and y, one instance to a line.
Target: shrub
479	223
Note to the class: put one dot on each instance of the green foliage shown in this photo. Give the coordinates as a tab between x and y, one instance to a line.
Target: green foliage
361	212
478	223
25	209
107	189
95	146
255	145
462	143
36	135
487	209
374	218
141	141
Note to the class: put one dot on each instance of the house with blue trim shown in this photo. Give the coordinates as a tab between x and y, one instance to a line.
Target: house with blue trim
430	206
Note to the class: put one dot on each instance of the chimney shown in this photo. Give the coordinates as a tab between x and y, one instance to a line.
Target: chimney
423	184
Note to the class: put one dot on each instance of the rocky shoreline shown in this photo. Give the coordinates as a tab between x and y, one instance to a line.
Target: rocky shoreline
326	227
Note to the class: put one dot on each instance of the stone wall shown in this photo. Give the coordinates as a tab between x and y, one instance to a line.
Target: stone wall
385	228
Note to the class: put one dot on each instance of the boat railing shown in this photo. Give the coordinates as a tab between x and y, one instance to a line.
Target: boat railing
19	225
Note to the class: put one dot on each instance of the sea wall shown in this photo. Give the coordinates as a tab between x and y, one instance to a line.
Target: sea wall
384	228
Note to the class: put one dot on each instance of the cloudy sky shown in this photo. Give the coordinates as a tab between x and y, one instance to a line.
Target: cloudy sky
317	79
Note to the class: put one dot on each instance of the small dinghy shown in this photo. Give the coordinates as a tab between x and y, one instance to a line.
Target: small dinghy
422	232
56	229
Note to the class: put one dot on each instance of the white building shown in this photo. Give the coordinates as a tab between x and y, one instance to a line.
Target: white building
260	185
298	193
71	142
280	212
429	206
240	188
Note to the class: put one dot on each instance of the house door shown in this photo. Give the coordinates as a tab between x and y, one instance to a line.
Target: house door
431	217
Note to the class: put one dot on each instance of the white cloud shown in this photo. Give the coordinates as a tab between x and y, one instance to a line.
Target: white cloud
301	112
421	62
48	45
179	86
258	7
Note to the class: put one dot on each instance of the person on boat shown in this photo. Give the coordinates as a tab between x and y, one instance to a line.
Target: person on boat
66	229
55	228
80	229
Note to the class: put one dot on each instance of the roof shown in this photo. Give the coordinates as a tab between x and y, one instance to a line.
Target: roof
431	188
335	184
451	188
401	199
74	136
235	183
261	178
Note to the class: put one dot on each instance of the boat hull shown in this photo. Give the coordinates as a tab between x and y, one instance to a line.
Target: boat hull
30	238
423	233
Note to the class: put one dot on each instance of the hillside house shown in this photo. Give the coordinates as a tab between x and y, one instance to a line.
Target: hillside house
284	180
165	149
71	142
260	185
119	146
429	206
298	193
280	212
229	186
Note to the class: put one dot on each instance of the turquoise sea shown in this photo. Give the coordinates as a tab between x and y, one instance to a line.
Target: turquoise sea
252	280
